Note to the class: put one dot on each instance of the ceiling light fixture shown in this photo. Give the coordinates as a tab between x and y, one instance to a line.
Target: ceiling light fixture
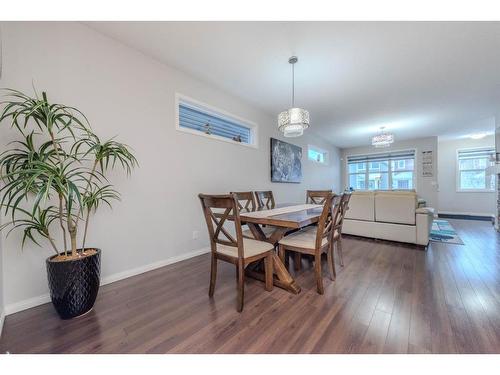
383	139
293	121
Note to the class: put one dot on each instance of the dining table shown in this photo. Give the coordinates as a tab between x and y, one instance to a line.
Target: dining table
282	219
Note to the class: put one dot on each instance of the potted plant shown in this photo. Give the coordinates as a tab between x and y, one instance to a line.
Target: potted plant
52	179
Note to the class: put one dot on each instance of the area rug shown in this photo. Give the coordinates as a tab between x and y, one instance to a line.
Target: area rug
442	231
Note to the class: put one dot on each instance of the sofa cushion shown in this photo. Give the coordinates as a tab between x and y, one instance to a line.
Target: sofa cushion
361	206
397	191
395	207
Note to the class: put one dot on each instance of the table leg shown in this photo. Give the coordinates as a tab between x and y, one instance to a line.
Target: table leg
281	277
257	232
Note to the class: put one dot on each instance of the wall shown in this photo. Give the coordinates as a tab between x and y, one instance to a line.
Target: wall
451	201
426	187
127	93
2	311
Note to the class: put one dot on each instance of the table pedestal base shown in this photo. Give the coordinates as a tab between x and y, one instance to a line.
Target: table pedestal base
281	277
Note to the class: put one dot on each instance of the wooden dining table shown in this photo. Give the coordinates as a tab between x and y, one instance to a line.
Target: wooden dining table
282	219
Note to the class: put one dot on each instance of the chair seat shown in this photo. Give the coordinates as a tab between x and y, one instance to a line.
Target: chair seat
305	239
268	230
314	228
251	248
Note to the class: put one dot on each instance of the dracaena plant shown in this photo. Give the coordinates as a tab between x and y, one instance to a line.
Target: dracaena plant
54	176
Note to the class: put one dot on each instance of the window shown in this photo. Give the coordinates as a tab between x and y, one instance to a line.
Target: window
471	170
402	173
382	171
202	119
318	155
378	175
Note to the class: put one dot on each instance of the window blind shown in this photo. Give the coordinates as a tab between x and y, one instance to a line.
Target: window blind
203	121
475	154
380	157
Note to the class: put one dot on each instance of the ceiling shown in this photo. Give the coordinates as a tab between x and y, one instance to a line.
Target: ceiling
415	78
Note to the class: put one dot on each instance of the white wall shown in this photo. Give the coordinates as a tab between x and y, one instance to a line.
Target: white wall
125	92
426	187
451	201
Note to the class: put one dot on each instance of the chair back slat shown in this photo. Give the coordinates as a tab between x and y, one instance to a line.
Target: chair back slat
317	196
344	207
325	222
245	200
265	199
219	226
337	214
216	220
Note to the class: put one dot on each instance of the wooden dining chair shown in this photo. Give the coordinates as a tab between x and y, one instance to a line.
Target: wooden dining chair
246	202
317	196
238	251
316	240
265	199
337	232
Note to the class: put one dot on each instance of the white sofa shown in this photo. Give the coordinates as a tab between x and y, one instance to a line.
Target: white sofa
388	215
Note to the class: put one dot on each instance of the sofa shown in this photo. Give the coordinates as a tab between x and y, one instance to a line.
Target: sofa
388	215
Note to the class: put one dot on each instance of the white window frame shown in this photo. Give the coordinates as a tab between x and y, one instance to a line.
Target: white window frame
389	170
326	155
457	172
254	128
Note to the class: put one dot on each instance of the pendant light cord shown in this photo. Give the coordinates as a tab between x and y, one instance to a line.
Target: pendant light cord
293	85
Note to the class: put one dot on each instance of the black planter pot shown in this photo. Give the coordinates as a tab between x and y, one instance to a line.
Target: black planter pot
74	284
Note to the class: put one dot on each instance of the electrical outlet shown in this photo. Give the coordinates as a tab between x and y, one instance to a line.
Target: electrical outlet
196	234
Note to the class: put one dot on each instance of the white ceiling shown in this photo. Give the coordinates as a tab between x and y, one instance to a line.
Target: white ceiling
416	78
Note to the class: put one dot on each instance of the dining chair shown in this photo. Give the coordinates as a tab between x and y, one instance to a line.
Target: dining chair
316	240
246	202
317	196
312	197
337	232
265	199
224	246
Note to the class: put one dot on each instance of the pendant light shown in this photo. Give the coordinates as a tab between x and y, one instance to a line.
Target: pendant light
383	139
293	121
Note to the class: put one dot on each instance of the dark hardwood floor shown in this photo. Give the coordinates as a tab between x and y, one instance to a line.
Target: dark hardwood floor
389	298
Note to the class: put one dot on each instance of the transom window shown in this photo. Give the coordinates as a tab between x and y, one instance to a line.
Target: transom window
201	119
382	171
316	154
471	170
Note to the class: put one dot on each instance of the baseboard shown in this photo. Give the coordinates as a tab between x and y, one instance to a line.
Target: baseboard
152	266
2	319
45	298
466	215
27	304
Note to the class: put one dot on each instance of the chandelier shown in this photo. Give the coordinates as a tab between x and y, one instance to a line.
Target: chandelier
383	139
293	121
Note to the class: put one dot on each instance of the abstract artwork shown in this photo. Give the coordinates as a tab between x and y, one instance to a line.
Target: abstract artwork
286	163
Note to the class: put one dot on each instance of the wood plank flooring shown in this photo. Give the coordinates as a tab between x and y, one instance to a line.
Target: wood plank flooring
389	298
